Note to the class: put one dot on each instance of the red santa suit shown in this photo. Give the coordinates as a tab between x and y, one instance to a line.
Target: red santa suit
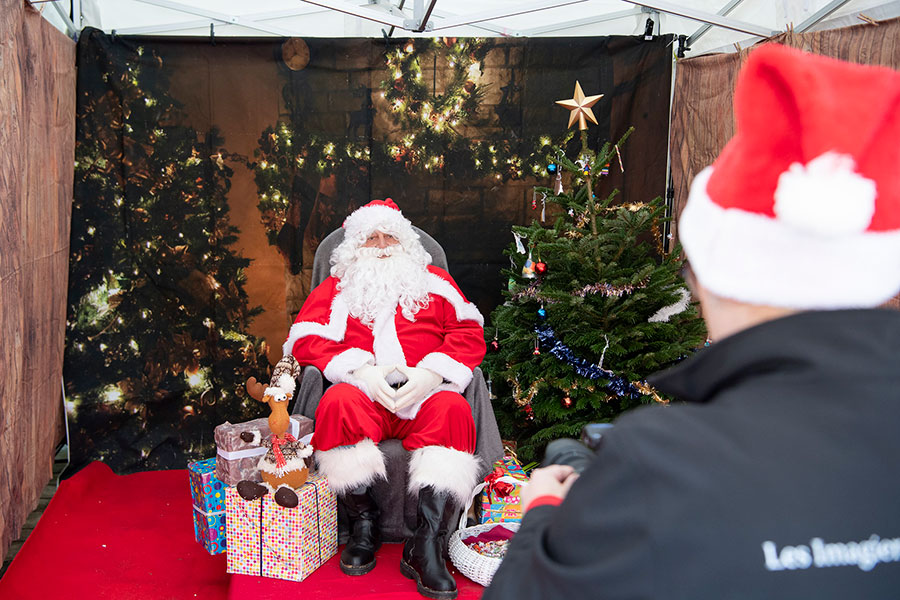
446	337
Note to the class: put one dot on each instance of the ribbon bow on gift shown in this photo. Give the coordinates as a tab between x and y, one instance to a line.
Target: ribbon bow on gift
498	483
276	448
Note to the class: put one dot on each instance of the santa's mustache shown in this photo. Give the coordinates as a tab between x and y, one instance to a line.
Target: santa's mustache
373	252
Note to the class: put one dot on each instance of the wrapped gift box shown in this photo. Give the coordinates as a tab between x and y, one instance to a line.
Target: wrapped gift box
238	460
208	498
500	500
286	543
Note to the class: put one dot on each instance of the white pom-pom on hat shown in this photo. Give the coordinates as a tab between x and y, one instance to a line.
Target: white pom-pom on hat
826	196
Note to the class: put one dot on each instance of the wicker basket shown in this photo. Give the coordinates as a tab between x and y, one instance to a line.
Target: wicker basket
477	567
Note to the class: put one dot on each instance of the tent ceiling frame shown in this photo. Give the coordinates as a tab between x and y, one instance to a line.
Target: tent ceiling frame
723	12
71	29
361	12
199	23
221	17
490	15
421	21
622	14
487	26
820	15
704	17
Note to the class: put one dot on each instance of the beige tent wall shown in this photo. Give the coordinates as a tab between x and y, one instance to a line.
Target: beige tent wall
37	152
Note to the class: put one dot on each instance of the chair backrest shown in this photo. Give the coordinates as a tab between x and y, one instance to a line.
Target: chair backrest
322	260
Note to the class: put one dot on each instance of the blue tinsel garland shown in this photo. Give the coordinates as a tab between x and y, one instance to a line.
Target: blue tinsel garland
617	385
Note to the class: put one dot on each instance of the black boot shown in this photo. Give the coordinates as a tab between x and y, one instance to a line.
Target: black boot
423	553
358	557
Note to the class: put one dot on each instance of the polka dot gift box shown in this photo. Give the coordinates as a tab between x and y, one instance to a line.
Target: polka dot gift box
208	498
285	543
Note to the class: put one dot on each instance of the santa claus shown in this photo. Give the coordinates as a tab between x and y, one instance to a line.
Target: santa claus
398	341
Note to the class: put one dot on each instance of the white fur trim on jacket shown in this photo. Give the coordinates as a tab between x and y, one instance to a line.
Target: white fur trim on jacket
457	374
349	467
465	311
385	342
340	368
758	259
334	330
446	470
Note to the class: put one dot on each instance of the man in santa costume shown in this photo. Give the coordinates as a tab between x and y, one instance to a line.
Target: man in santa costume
398	341
777	478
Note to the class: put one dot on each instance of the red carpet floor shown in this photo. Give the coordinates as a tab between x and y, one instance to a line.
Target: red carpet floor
131	538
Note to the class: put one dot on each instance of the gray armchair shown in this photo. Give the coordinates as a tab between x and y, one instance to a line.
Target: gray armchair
398	509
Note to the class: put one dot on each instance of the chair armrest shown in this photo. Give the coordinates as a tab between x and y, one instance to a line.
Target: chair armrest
312	386
488	445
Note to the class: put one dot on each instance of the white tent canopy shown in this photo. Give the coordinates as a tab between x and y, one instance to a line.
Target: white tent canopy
708	25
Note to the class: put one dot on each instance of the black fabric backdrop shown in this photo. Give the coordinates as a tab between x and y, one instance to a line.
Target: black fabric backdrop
208	172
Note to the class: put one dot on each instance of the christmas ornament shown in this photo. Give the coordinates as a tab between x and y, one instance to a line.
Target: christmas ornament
495	343
605	169
534	199
537	347
519	247
566	401
551	167
528	268
580	107
529	412
619	154
542	312
559	186
540	267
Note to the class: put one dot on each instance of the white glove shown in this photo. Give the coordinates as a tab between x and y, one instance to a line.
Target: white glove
374	379
419	384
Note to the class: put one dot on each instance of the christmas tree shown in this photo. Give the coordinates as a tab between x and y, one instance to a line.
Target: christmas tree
157	349
594	305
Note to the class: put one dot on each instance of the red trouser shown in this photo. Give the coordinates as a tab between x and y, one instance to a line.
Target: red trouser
346	416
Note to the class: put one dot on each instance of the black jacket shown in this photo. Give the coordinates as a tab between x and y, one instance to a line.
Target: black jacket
779	479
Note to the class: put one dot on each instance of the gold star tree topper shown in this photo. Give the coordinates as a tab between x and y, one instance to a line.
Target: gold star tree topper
580	106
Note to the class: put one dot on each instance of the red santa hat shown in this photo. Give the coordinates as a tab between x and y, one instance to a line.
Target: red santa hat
802	207
377	215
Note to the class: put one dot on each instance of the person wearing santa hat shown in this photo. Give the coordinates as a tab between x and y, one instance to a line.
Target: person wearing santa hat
398	341
778	477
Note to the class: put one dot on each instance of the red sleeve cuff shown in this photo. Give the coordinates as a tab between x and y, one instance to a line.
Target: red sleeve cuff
547	500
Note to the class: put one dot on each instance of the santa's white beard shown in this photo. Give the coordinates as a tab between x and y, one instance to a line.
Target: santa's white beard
378	278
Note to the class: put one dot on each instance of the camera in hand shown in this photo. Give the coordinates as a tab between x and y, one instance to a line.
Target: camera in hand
576	454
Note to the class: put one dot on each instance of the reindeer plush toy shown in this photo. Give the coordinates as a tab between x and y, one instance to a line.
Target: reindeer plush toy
283	467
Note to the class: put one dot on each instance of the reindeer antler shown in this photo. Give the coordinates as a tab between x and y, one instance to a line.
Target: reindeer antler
256	389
